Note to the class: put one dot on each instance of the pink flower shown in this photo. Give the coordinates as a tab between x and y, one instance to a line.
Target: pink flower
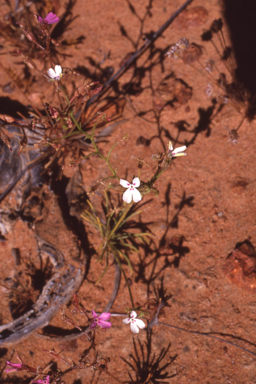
101	320
51	18
14	367
44	381
132	193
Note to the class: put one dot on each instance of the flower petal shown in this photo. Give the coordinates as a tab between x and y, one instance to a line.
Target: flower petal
170	147
124	183
58	70
14	367
140	323
104	316
179	154
49	17
13	364
55	20
133	314
39	18
104	324
127	196
94	314
43	381
179	149
93	325
51	73
134	327
136	195
136	182
127	321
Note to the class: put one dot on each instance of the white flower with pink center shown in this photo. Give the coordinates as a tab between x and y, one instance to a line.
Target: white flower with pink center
132	193
55	74
176	152
135	324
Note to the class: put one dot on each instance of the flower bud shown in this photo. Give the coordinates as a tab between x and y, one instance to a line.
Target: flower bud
55	42
20	24
69	122
53	111
30	64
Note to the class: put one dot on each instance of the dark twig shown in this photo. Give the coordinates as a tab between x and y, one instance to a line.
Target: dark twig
206	334
139	52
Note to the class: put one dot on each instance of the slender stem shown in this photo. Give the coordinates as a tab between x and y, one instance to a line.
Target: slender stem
159	171
126	280
29	369
100	154
76	123
209	335
69	135
64	92
119	221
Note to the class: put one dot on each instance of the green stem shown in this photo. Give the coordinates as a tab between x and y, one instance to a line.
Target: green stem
108	163
159	171
100	154
91	137
64	92
76	123
119	221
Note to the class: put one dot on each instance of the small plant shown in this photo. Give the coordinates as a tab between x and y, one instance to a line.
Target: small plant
62	136
58	133
65	134
116	238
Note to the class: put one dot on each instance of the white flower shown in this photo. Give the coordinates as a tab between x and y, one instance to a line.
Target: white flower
176	152
135	323
132	193
56	75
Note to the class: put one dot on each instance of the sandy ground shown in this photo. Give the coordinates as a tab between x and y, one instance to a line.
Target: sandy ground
206	205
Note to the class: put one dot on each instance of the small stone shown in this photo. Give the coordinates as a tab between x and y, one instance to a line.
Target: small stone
240	267
190	18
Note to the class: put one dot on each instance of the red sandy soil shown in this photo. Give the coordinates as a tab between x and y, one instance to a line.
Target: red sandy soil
206	206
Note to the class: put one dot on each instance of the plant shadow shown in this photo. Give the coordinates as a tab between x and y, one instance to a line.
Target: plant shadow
166	249
147	367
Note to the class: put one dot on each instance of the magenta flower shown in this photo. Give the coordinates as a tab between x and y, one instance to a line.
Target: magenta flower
44	381
101	320
14	367
51	18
